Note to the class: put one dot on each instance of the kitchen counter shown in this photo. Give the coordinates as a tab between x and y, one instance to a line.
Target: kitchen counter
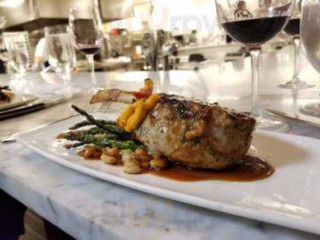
88	208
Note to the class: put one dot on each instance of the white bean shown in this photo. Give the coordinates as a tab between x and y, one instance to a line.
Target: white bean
109	159
127	155
132	167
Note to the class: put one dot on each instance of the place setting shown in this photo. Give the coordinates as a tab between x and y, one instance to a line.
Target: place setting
8	99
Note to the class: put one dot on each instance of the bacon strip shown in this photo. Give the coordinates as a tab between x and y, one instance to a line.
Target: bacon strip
113	95
116	95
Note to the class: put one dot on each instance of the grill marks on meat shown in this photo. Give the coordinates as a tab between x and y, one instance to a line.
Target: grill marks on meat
195	134
185	109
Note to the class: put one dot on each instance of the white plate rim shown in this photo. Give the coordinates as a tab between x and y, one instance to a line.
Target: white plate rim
273	218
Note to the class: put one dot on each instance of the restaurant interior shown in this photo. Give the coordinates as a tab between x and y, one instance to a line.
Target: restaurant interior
159	119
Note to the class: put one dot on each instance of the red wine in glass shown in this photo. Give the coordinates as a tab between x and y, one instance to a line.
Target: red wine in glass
89	50
87	31
254	32
253	23
293	27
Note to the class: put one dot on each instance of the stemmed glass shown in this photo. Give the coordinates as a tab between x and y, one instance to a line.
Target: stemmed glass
253	23
61	53
18	61
310	36
18	56
293	29
87	32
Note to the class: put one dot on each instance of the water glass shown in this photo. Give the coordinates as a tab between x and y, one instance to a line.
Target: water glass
61	53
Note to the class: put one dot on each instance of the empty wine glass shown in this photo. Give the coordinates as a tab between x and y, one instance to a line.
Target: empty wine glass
293	29
86	27
310	36
253	23
18	63
18	60
61	53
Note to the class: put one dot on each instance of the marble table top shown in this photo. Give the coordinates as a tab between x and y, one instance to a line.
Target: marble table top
88	208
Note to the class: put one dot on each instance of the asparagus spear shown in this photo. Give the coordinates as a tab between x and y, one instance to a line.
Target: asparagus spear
80	125
115	137
75	145
106	142
80	135
84	123
106	125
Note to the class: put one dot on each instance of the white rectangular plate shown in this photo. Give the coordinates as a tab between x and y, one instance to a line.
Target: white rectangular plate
290	197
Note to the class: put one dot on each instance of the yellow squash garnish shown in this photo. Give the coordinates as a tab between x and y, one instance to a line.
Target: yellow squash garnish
123	119
135	119
151	102
134	115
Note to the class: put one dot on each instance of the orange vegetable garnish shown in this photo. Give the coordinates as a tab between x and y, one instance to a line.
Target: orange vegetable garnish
131	118
146	91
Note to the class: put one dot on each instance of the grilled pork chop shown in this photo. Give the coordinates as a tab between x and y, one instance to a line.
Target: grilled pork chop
195	134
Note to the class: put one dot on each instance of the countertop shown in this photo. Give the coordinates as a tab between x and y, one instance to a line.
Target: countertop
88	208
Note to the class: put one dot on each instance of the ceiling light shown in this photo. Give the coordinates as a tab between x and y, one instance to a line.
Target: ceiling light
11	3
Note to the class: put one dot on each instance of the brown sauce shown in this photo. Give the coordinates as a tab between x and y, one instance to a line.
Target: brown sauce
250	169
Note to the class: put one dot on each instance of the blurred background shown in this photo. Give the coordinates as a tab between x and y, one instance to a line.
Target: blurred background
138	34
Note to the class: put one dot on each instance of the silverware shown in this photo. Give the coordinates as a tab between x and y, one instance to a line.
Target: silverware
103	108
31	107
22	103
9	138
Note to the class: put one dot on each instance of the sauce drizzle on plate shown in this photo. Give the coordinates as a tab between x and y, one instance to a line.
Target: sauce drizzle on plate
249	169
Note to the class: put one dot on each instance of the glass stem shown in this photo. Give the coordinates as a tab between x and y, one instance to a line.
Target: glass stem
255	56
22	79
296	44
66	77
93	75
22	72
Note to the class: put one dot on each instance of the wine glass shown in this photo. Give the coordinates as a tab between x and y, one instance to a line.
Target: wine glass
310	36
61	53
18	60
293	29
253	23
18	63
86	27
